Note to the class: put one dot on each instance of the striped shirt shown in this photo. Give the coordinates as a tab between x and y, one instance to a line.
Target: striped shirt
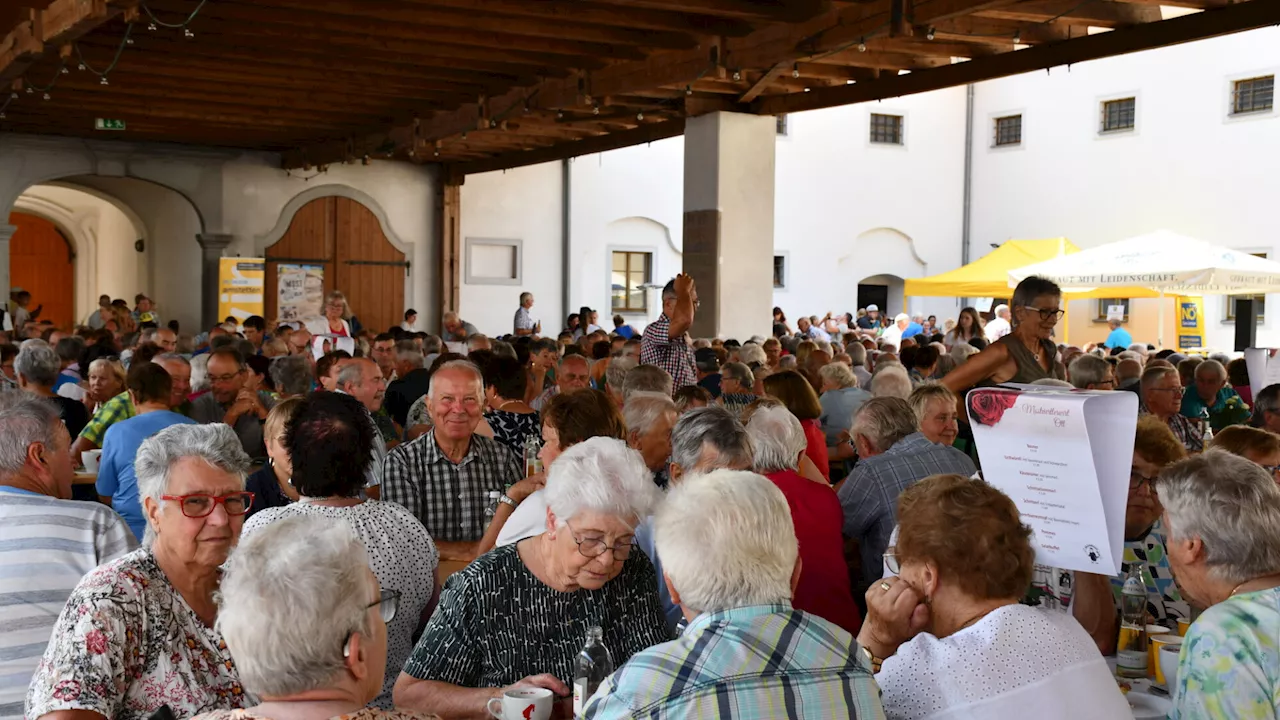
46	546
749	663
449	498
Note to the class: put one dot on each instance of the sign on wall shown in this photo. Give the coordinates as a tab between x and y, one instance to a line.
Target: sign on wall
1190	323
240	287
300	291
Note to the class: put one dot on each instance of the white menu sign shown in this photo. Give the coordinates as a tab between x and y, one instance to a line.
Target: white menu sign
1064	457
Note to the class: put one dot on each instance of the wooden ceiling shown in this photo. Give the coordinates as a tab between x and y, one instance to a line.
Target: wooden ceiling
488	84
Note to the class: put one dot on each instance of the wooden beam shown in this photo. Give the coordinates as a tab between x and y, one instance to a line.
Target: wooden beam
1193	4
783	12
449	210
1211	23
59	22
1097	14
641	135
763	83
598	14
1001	32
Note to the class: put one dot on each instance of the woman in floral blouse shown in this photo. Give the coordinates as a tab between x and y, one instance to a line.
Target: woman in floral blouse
138	633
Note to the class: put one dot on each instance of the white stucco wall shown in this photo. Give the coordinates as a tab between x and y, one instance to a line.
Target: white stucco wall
533	217
1188	167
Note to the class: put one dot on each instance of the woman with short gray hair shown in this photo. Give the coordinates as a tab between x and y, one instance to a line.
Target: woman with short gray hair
37	367
778	442
291	375
649	418
306	620
520	613
1222	519
138	633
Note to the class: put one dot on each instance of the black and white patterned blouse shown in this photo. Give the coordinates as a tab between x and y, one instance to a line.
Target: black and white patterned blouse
401	555
449	499
511	429
497	623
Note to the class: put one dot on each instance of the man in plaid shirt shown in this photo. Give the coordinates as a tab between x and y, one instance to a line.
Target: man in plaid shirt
665	342
750	655
445	476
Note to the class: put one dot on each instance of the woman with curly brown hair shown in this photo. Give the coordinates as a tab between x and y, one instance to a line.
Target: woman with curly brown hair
949	630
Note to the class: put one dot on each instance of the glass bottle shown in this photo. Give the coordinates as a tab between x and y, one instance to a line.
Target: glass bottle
1206	428
532	463
594	664
1131	647
491	506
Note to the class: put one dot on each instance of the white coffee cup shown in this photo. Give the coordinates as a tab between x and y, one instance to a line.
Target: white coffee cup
91	458
1168	658
524	703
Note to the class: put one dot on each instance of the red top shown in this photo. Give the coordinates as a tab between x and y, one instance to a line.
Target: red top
824	578
816	447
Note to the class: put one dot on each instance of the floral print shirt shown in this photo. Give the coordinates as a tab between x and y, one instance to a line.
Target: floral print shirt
127	644
363	714
1230	663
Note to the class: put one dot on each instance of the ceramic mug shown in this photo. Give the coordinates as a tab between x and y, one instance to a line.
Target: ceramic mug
523	703
91	459
1167	666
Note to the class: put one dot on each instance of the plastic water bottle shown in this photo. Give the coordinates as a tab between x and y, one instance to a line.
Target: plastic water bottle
532	463
1131	647
491	506
594	664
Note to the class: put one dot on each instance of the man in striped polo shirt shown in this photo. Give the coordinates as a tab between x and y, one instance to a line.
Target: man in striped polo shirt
47	541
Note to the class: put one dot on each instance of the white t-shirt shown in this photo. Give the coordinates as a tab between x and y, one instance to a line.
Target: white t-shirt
997	329
528	519
1015	663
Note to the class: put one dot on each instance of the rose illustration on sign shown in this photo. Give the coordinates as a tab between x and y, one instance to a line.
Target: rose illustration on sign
986	407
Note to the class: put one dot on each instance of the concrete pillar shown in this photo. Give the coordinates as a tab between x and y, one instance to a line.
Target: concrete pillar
211	247
6	232
728	222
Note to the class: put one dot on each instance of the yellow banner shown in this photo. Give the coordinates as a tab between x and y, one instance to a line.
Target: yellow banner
241	283
1190	323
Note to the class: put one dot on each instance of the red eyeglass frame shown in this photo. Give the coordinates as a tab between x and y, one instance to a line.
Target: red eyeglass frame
217	500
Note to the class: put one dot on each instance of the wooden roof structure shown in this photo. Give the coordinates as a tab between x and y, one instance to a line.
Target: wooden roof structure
482	85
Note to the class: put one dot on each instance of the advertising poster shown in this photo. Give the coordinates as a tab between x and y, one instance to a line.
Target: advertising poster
299	292
1064	458
1190	323
240	287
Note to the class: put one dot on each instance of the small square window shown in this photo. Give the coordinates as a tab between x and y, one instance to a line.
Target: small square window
886	129
779	271
1259	301
1119	115
1253	95
630	271
782	125
1008	130
1105	305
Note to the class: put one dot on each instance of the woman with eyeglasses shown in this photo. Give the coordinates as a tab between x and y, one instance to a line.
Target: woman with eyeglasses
333	321
1026	354
329	441
139	633
519	614
308	623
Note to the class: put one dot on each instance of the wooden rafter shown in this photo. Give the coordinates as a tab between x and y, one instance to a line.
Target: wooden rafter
58	22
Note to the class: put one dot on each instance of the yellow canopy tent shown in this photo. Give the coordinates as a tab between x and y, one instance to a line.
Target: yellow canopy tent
988	276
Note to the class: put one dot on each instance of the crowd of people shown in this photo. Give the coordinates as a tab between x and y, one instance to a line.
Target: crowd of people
786	526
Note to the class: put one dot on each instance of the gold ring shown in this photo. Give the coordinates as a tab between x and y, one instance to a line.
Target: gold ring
884	586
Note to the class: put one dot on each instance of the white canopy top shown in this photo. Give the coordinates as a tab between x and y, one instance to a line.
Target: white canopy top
1162	261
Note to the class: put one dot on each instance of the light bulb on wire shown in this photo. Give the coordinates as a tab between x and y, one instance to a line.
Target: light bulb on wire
151	27
186	32
103	81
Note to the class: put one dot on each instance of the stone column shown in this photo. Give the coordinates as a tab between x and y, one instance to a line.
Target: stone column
211	247
728	222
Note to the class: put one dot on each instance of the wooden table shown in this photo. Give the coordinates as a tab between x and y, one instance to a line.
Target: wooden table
85	478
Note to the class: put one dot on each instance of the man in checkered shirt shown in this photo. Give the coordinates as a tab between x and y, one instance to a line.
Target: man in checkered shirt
665	343
444	477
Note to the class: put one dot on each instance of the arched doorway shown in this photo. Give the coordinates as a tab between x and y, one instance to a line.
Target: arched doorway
40	262
346	238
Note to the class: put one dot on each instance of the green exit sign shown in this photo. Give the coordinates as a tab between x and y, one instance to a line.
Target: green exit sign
108	124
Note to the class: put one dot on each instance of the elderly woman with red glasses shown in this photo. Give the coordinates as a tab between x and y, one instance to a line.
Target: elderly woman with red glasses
138	633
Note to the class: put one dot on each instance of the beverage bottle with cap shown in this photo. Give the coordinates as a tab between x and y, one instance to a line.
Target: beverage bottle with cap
1131	647
1206	428
491	506
532	463
594	664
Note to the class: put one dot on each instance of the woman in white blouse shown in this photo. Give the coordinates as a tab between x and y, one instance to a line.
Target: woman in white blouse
334	320
948	636
330	442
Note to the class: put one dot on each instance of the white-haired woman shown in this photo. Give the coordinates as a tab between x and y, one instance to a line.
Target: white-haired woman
891	380
519	614
777	445
138	633
841	398
1222	517
306	620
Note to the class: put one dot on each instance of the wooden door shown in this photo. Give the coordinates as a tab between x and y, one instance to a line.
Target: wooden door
40	263
347	239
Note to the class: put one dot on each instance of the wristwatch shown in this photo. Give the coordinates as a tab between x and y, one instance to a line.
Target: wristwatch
872	660
507	500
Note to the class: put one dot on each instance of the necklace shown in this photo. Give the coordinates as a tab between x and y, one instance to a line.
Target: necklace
509	402
1272	576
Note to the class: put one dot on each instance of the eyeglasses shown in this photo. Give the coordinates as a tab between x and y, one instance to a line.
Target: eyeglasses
891	561
1179	391
388	603
225	378
1046	313
1137	480
595	547
198	505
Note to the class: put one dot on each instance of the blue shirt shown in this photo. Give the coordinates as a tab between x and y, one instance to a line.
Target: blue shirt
912	330
750	663
1193	404
625	331
116	479
1119	338
646	540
